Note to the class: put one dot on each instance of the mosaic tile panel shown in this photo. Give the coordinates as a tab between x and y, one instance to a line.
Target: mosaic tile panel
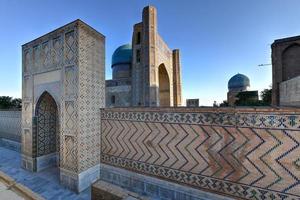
57	51
69	110
70	157
46	116
27	61
46	54
71	82
71	46
36	57
252	155
91	96
262	120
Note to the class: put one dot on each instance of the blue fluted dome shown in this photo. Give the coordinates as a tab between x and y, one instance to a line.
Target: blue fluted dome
122	55
238	81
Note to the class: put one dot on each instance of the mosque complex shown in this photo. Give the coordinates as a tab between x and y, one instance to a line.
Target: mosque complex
146	72
131	137
144	76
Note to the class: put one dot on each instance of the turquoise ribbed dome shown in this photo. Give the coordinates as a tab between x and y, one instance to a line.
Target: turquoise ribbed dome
238	81
122	55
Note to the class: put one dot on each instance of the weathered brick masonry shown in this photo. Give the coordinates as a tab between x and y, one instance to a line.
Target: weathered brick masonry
243	153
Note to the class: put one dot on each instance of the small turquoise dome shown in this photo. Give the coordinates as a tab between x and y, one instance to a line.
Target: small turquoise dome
122	55
238	81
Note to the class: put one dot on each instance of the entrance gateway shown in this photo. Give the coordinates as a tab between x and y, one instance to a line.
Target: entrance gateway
63	87
47	137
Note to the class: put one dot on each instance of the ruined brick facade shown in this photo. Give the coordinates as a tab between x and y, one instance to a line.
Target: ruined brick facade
286	66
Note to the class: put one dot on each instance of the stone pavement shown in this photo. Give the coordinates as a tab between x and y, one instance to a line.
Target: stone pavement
6	193
45	183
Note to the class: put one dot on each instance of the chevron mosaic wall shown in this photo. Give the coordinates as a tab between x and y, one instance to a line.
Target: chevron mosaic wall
248	154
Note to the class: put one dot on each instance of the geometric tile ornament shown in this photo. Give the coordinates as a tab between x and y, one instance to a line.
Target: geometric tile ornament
250	154
68	63
70	161
46	113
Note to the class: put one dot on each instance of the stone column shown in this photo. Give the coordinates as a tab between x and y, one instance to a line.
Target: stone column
177	78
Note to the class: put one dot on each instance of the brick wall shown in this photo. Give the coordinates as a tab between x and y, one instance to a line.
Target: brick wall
244	153
290	92
285	64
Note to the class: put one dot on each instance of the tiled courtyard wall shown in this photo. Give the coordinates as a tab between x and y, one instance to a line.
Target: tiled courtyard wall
10	125
243	153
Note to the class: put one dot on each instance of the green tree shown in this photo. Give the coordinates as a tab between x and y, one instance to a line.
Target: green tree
266	96
247	98
16	103
7	102
224	104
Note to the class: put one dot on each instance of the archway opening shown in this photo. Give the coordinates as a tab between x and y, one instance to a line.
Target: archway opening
291	62
164	86
47	138
113	99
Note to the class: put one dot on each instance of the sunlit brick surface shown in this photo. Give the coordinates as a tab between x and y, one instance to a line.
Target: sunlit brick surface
251	154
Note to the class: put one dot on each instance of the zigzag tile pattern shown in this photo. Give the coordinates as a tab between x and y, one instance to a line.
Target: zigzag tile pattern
245	155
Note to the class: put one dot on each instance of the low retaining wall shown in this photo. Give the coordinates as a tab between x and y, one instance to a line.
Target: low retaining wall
242	153
152	187
103	190
10	125
10	144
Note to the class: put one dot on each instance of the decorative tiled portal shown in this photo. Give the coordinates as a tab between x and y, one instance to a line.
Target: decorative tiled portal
63	91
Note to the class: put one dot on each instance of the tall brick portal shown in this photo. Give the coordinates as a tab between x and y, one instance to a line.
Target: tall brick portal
153	77
286	66
155	74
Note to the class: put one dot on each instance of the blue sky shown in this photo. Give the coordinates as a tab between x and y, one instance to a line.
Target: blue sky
217	38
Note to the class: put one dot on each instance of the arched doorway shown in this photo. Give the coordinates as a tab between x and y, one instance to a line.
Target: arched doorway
164	86
291	62
47	144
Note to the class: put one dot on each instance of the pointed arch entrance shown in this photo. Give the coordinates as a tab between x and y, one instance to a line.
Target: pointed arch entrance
47	138
291	62
164	86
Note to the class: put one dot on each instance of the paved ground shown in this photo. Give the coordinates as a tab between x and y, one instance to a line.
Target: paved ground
45	183
6	193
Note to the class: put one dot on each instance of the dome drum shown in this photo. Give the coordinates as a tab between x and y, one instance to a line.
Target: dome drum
121	71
